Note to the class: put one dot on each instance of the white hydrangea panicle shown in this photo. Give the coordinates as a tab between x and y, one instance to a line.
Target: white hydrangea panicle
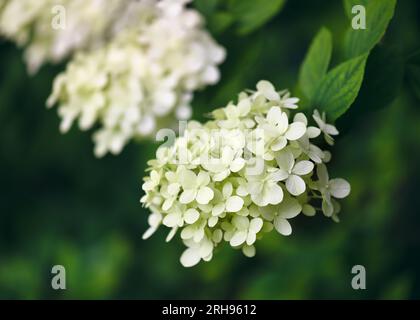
142	80
249	171
80	24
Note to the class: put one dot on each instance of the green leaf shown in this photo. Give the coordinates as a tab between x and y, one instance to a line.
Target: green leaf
252	14
316	62
220	21
217	18
206	7
378	15
340	87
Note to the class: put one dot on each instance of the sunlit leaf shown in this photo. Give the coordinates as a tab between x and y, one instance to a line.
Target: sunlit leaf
251	14
378	15
315	64
340	87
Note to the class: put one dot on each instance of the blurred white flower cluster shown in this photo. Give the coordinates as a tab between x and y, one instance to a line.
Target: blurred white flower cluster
247	171
142	78
30	24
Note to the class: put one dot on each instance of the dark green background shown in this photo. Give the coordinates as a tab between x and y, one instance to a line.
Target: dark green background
60	205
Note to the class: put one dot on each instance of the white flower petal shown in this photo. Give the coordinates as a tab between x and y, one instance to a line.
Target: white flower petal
274	194
268	212
203	178
173	189
187	196
295	131
285	160
218	209
212	221
300	117
167	204
190	257
198	235
248	251
172	219
244	107
327	157
147	125
148	185
313	132
289	208
259	199
268	90
290	103
227	155
237	164
303	167
282	123
188	232
238	238
208	258
251	238
221	175
255	225
234	204
295	185
206	248
204	195
282	226
315	154
217	235
188	179
308	210
274	115
227	189
154	219
330	129
240	222
279	144
149	233
191	216
171	234
339	188
318	119
322	173
278	175
242	191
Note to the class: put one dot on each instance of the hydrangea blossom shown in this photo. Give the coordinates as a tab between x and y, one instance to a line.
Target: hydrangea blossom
143	78
249	170
84	24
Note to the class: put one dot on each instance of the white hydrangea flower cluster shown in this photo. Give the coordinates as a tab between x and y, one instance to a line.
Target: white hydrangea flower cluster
247	171
142	78
84	24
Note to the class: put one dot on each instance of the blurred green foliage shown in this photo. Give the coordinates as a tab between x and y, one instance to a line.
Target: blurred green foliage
60	205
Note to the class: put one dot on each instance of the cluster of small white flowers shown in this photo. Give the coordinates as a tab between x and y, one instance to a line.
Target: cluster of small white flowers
142	78
245	172
83	24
